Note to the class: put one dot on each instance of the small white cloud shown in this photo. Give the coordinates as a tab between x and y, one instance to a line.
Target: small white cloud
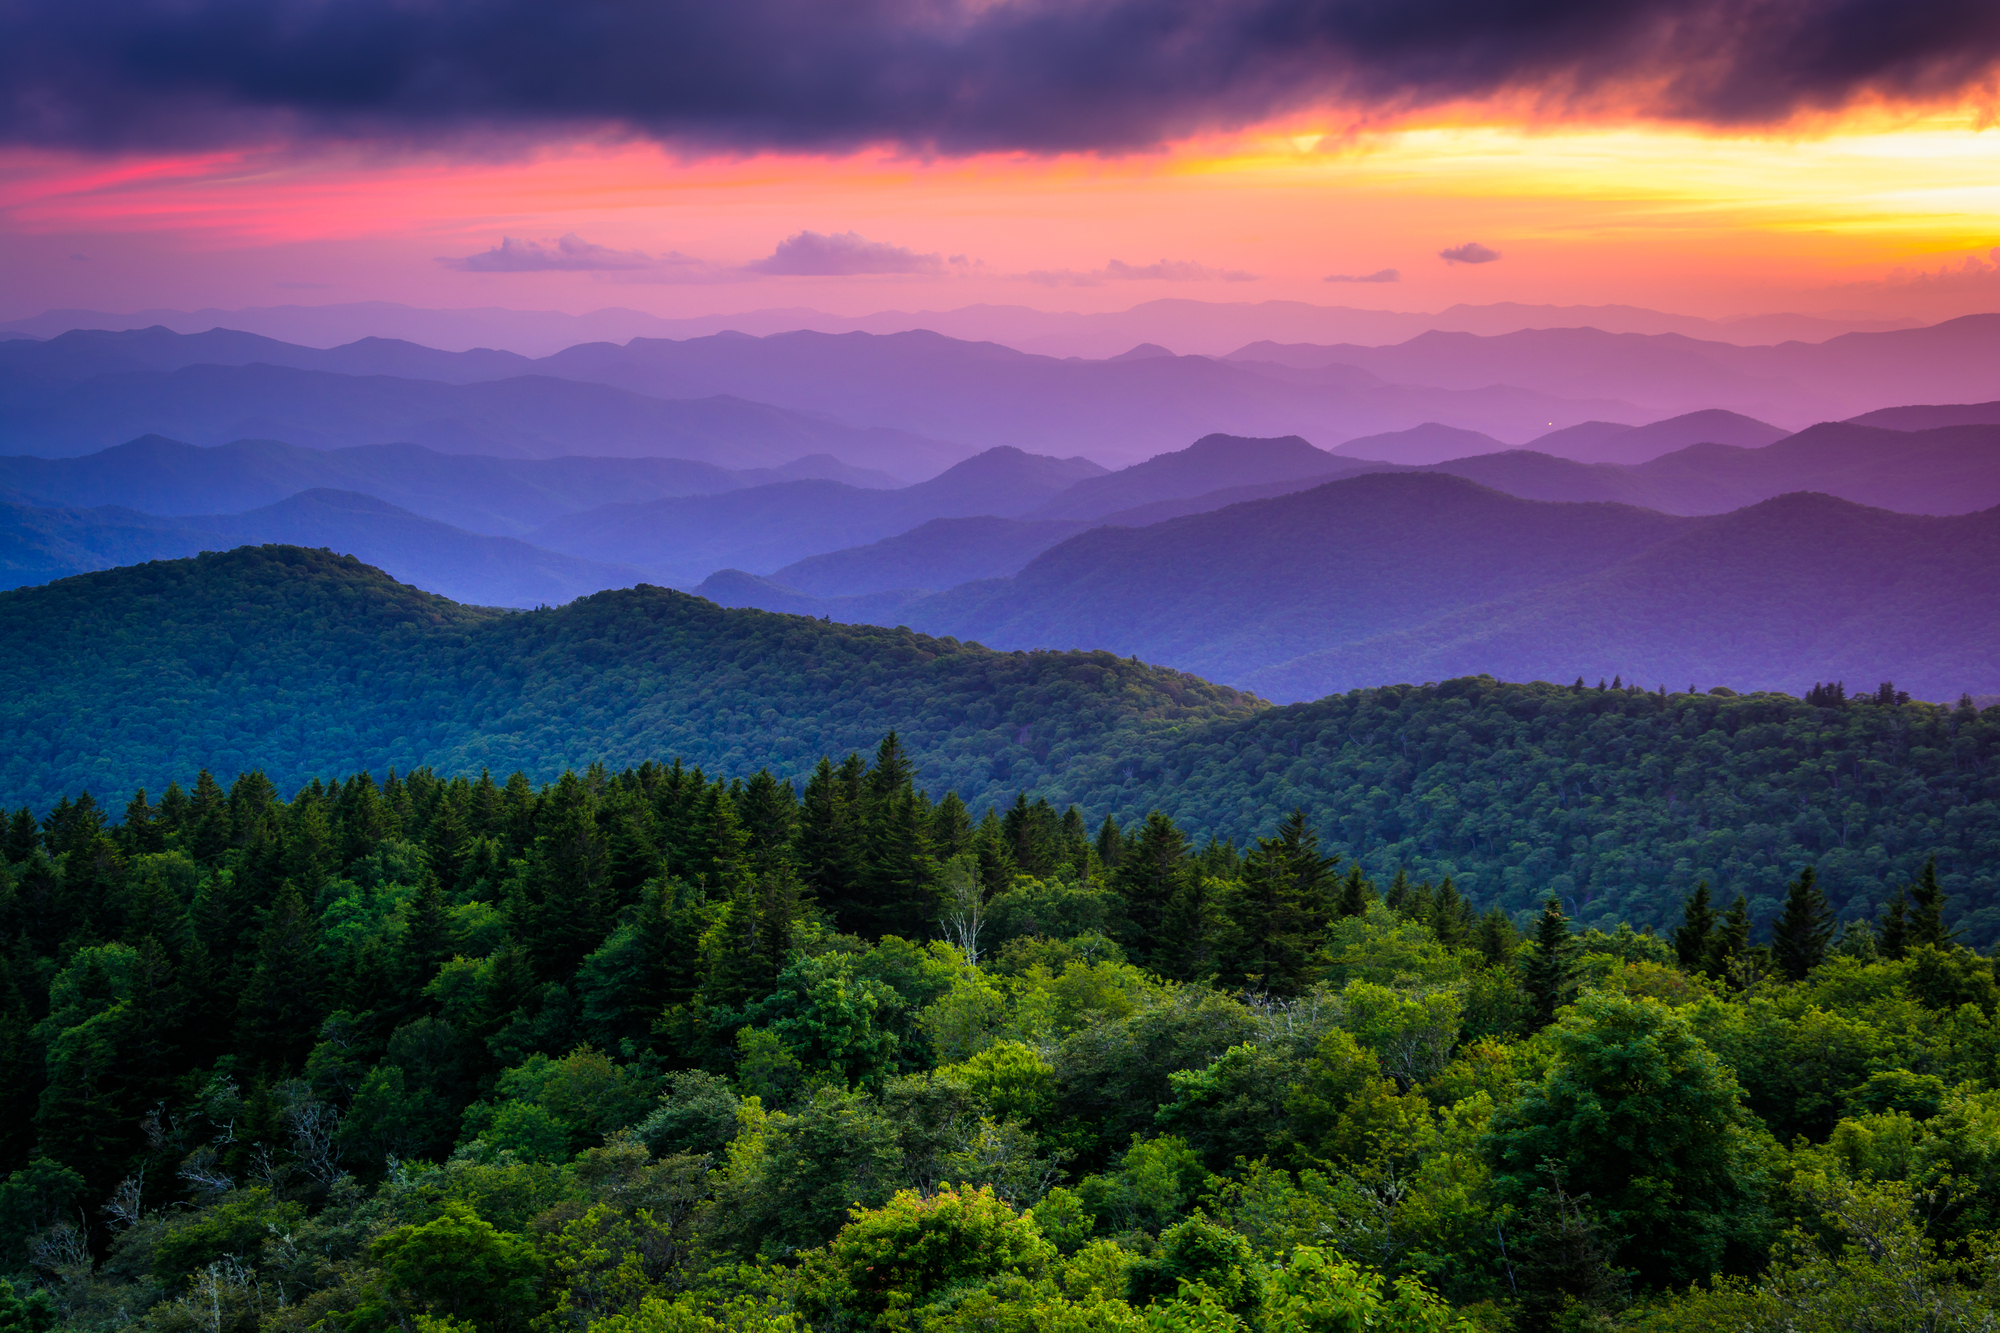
1472	252
570	254
1379	275
842	255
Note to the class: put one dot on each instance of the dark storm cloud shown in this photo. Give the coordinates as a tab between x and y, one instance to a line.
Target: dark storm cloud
937	75
1472	252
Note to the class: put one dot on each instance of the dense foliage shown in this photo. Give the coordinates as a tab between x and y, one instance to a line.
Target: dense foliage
654	1052
1618	800
302	663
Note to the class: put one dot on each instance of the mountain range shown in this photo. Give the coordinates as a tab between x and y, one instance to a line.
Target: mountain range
1423	575
1201	327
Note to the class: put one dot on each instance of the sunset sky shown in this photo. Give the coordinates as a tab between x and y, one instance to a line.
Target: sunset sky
1223	152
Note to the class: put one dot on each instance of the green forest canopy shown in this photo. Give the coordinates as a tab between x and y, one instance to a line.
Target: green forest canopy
304	665
656	1051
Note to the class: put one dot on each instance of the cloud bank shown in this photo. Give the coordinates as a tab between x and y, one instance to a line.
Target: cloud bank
947	76
1379	275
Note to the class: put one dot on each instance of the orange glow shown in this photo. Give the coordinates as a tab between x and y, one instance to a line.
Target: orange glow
1702	223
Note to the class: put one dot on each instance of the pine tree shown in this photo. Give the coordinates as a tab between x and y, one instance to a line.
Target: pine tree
141	831
1894	934
827	847
769	812
564	906
996	860
951	828
1402	896
1547	974
1804	930
1275	915
1691	937
1729	942
22	836
283	1001
1495	938
1110	844
1186	949
1356	892
1148	876
1450	916
1926	919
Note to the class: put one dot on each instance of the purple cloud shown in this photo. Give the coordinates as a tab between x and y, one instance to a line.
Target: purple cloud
951	76
1379	275
843	254
1472	252
571	254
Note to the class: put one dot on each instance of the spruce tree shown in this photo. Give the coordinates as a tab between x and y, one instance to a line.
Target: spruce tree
141	831
1547	973
828	845
1275	915
1149	875
1926	913
1356	892
951	828
1450	916
1729	941
1495	938
1110	844
22	836
1691	937
1804	930
1894	935
283	1001
563	905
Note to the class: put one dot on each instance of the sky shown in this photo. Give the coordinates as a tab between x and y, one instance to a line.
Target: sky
1823	156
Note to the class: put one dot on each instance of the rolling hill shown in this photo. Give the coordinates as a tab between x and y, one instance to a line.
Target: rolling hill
1210	463
302	663
942	553
37	545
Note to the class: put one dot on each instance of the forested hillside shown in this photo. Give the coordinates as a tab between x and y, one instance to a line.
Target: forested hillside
662	1051
301	663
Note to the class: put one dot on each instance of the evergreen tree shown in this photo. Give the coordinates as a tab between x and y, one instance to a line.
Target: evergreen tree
1894	935
951	828
1450	916
1276	913
1148	876
23	838
283	1002
141	831
563	905
828	846
769	812
1110	844
1356	892
1926	911
1402	896
1186	946
1495	938
1730	941
1692	936
1804	930
1547	974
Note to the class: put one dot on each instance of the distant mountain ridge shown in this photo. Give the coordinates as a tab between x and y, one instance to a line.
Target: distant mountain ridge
38	545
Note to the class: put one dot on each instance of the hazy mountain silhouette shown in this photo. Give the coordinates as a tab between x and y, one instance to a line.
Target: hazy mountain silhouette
766	527
1795	590
529	416
942	553
1927	417
1377	571
1427	443
1638	444
1792	382
1232	591
37	545
506	496
1210	463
